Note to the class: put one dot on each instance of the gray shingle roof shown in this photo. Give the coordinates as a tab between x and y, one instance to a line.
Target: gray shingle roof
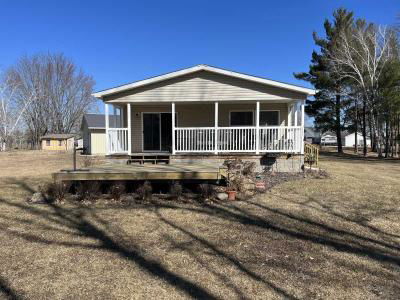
99	121
57	136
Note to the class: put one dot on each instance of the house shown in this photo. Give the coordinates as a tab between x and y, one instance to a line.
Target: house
329	138
217	113
350	140
312	135
93	130
58	141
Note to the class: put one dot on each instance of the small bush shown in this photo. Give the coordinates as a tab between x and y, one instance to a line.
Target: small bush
248	168
206	190
237	183
117	189
88	190
145	191
176	190
55	191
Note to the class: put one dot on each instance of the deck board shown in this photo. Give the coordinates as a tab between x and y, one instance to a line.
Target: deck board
113	171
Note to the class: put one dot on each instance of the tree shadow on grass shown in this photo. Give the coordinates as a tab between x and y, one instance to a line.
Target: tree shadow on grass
84	222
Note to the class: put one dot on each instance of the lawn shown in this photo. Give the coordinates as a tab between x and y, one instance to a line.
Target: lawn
331	238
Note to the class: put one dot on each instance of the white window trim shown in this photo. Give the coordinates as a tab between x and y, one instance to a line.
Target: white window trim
241	110
279	116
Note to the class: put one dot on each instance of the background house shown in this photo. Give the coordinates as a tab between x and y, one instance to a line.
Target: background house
58	142
93	131
350	142
312	135
329	138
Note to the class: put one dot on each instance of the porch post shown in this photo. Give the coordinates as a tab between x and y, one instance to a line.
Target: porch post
295	114
302	126
129	129
107	126
258	127
173	127
216	128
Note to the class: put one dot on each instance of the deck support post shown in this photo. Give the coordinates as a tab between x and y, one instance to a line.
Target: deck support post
173	126
128	107
106	111
302	126
216	128
258	127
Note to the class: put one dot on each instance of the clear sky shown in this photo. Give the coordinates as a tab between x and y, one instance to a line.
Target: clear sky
122	41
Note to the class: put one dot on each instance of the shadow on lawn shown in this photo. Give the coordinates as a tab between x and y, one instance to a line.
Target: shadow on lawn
85	222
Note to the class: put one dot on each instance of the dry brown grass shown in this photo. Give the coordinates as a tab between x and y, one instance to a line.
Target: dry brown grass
314	238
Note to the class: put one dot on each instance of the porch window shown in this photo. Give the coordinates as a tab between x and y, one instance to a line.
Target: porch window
241	118
269	118
47	142
59	143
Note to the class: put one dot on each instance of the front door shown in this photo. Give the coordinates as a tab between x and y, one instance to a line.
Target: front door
157	132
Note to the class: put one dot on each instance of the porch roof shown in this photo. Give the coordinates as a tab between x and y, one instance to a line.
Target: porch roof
260	80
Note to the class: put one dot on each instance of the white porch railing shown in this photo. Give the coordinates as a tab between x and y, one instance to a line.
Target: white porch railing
195	139
287	139
117	140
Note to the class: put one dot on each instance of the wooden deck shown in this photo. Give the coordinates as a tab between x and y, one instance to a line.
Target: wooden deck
114	171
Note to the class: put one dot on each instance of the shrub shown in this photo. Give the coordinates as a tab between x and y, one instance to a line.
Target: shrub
145	191
88	190
248	168
237	183
176	190
206	190
117	189
87	161
55	191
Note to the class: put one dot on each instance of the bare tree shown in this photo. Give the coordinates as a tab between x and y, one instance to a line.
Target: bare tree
361	57
10	113
62	93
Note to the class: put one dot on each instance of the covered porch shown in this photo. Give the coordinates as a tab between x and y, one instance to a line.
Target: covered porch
212	127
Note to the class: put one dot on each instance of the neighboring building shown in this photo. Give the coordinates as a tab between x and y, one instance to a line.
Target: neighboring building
58	142
312	135
350	140
329	138
93	130
217	112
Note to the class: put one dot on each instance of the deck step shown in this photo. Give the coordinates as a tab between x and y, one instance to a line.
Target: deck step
154	159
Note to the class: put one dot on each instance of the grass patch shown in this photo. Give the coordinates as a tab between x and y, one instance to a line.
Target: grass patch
334	237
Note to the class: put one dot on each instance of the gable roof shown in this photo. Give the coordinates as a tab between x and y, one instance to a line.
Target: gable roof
98	121
58	136
140	83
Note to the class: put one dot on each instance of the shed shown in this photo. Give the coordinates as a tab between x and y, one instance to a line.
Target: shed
58	141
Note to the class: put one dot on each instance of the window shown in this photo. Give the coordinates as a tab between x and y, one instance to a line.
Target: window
241	118
59	143
47	142
269	118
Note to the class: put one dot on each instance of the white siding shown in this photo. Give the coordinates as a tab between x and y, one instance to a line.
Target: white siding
204	86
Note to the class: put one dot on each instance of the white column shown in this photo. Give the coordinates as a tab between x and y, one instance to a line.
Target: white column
302	126
216	128
295	114
173	126
258	127
107	126
129	128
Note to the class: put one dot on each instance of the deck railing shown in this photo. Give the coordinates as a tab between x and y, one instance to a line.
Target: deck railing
286	139
117	140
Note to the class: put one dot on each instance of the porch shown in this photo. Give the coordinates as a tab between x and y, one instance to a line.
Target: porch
212	127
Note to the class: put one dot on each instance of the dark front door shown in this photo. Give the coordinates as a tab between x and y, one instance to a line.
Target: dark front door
157	132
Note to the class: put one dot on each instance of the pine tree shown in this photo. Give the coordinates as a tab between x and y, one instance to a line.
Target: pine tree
328	103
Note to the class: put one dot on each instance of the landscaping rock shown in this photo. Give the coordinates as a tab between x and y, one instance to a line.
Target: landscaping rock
38	198
222	196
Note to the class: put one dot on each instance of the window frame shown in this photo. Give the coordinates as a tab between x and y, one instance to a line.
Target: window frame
48	143
242	110
279	117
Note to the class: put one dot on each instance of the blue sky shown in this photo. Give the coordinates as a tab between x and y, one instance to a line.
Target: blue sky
122	41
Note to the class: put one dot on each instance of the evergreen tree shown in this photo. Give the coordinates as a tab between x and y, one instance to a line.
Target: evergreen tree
327	106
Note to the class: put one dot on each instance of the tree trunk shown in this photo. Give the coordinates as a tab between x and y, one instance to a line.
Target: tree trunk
364	128
338	127
356	127
387	137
